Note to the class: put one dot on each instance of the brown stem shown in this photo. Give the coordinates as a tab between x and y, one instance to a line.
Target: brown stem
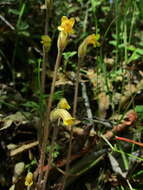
47	121
43	74
50	159
45	53
74	115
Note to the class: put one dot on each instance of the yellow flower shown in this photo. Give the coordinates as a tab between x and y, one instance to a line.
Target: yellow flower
46	41
63	104
29	179
91	39
67	25
66	28
64	114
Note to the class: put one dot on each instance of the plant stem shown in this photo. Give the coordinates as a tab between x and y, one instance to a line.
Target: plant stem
74	115
47	120
45	54
50	159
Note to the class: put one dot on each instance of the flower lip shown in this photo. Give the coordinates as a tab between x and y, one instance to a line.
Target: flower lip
67	25
69	122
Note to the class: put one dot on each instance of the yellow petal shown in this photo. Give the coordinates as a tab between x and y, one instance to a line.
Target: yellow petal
60	28
69	122
63	104
64	19
72	21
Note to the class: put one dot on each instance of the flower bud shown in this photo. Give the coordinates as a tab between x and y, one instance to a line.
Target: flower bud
46	41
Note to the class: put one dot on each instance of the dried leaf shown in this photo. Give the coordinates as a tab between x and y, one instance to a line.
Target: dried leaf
103	103
18	118
18	170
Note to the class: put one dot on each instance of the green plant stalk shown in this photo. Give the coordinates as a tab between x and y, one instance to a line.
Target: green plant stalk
125	161
117	33
132	23
74	115
16	42
125	42
125	57
47	120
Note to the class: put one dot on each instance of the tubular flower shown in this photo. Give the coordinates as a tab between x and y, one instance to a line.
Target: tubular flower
91	39
67	25
46	41
29	179
64	114
66	28
63	104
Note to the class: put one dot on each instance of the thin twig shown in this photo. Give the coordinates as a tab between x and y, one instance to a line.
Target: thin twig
23	148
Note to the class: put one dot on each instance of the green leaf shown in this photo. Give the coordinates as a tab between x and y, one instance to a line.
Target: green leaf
13	11
139	109
31	104
69	54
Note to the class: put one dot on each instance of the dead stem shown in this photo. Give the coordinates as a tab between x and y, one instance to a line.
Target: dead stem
47	121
